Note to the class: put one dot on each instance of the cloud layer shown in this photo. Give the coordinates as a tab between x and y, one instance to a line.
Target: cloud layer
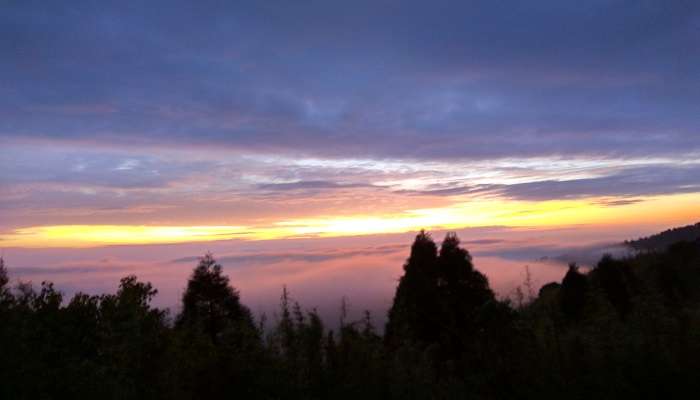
362	114
394	79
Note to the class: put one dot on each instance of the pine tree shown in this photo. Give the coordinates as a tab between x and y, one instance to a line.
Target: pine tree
4	279
414	315
461	285
211	304
573	291
5	295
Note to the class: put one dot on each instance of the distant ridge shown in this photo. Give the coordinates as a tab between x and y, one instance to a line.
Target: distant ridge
661	241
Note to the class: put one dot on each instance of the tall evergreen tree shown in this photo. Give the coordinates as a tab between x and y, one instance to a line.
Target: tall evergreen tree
572	294
3	274
414	315
211	304
463	287
463	293
5	295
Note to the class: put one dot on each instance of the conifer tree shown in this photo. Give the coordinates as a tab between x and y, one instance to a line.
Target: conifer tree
573	291
413	316
211	304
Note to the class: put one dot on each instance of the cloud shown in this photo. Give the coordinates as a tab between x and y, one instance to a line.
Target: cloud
618	202
482	241
623	185
447	80
309	185
209	112
632	182
312	256
587	255
66	269
92	169
459	189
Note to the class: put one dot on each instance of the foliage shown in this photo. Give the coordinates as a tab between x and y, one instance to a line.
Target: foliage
661	241
628	328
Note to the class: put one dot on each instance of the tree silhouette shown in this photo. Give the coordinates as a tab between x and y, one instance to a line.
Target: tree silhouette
573	291
5	295
414	315
463	293
613	277
439	298
211	304
464	287
447	337
4	279
132	337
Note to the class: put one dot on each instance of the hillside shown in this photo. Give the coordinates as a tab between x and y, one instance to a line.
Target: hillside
661	241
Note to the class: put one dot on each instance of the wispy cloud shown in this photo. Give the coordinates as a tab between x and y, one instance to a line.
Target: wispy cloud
309	185
587	255
349	119
66	270
315	256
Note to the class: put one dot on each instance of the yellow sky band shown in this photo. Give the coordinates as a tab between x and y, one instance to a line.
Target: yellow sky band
477	213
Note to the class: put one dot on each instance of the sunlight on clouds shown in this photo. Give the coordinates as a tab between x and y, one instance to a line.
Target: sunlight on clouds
100	235
469	214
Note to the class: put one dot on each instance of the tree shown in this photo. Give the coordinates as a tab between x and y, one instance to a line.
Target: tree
211	304
5	294
3	274
464	287
131	337
414	315
463	293
439	295
573	291
612	276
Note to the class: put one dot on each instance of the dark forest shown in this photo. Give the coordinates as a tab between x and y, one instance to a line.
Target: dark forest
625	328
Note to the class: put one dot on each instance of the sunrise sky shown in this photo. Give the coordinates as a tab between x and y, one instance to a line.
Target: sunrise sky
316	137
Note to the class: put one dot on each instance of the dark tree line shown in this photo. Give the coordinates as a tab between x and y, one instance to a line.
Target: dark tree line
628	328
661	241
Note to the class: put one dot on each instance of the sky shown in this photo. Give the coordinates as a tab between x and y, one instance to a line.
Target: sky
306	142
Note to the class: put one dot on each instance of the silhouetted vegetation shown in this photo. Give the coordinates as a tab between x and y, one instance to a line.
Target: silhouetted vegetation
626	328
661	241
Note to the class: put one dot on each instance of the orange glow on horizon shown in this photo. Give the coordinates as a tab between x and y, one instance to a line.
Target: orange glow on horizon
475	213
